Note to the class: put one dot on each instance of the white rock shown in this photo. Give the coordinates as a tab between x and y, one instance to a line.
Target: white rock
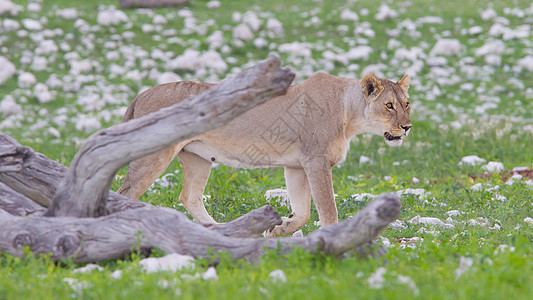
46	47
111	17
213	4
281	194
9	25
260	43
278	276
528	220
7	69
348	15
364	159
493	60
447	47
359	52
465	263
475	30
40	90
362	197
415	180
171	262
87	124
385	12
210	274
275	28
32	25
488	14
251	19
216	39
504	248
159	19
471	160
168	77
53	132
80	66
26	80
526	63
117	274
377	279
193	60
75	284
491	47
397	225
88	268
236	16
518	169
494	166
8	106
243	32
8	7
34	7
67	13
296	49
421	193
453	213
514	178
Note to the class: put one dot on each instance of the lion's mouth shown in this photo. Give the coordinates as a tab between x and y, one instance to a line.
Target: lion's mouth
391	137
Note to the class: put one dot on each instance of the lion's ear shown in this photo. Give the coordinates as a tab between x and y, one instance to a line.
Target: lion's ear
372	86
404	84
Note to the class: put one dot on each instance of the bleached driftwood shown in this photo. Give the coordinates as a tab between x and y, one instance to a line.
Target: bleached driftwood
114	236
81	192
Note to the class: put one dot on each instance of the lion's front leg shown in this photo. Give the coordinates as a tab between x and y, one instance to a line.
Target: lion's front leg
300	196
318	170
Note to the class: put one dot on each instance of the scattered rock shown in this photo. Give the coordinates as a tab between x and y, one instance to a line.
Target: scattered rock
171	263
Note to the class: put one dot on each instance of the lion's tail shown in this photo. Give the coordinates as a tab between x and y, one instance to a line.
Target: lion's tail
129	112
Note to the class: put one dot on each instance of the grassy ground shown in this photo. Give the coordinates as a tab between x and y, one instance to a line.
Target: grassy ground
467	261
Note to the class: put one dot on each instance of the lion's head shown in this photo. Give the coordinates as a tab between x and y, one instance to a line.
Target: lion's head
388	107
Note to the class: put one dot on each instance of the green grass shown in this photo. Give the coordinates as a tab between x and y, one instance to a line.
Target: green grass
431	154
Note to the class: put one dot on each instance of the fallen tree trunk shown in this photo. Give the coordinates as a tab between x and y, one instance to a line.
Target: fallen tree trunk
116	235
26	172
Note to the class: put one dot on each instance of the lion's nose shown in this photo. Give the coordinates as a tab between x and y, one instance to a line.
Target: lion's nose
407	127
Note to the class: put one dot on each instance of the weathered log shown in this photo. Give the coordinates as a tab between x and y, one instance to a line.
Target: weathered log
16	204
37	177
150	3
83	192
113	236
26	172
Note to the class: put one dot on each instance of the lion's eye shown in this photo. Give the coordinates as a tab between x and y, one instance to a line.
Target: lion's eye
389	106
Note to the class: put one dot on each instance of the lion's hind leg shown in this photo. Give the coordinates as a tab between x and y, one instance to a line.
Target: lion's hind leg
143	171
196	172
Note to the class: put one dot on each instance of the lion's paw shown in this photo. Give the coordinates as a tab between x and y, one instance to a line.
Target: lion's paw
278	230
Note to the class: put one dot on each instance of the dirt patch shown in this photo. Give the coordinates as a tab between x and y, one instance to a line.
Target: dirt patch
526	174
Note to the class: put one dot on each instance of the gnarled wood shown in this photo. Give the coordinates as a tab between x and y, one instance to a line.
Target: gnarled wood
16	204
84	190
26	172
113	236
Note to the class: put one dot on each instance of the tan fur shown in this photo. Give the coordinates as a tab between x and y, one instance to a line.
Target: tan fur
306	131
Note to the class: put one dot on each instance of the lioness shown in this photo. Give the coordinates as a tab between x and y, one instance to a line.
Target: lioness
307	131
